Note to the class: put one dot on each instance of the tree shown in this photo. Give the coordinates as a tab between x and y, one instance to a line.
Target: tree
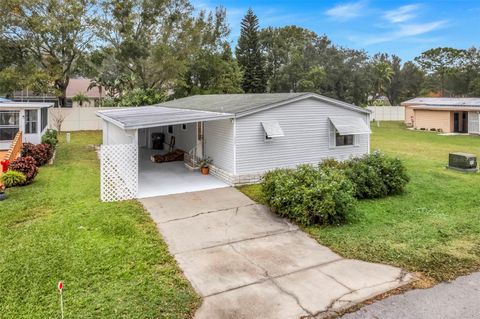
286	58
249	55
211	68
81	98
145	37
56	32
382	74
439	63
412	79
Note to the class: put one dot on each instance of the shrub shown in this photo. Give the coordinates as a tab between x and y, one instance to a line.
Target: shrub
42	153
376	175
310	195
13	178
51	138
25	165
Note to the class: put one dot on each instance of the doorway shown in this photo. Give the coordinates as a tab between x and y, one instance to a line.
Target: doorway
460	122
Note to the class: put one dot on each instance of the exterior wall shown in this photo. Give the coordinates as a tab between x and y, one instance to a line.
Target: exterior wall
112	134
184	139
219	144
430	119
234	180
409	115
473	122
306	126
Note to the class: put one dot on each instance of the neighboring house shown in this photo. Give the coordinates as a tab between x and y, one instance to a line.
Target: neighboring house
29	118
245	135
449	115
75	87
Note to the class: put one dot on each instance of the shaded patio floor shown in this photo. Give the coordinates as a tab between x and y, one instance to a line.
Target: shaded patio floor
170	178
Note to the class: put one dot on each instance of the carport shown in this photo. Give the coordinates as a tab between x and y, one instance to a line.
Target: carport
126	169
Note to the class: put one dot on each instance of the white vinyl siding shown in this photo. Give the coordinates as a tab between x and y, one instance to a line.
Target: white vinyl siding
306	126
219	143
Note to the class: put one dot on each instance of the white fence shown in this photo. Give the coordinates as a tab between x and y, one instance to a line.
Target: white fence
77	118
118	172
387	113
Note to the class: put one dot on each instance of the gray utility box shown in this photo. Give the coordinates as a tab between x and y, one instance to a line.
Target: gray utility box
462	162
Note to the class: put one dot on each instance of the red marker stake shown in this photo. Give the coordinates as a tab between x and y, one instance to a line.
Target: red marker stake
60	288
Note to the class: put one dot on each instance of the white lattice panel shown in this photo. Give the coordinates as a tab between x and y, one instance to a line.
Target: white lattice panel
119	172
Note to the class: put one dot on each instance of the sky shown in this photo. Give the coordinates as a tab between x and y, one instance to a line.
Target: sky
404	28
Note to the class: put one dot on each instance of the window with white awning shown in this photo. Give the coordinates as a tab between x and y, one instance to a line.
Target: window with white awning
344	131
272	129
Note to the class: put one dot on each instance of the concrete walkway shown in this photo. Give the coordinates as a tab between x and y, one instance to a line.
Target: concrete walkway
248	263
457	299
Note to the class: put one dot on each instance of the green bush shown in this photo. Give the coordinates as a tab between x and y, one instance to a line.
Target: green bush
51	138
310	195
377	175
13	178
374	175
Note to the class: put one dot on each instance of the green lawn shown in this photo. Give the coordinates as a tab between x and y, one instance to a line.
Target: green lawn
112	260
433	228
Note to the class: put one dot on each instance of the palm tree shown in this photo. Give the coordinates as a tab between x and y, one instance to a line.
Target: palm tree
382	74
81	98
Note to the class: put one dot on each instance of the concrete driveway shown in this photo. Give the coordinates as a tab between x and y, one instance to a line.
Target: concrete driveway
248	263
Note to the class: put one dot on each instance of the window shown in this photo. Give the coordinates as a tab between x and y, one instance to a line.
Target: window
344	140
272	130
31	121
44	118
170	129
184	127
9	125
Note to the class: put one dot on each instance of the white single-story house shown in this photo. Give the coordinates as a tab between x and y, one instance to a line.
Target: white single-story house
30	118
244	134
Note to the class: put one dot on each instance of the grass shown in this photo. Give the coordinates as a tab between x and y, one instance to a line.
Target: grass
433	228
112	260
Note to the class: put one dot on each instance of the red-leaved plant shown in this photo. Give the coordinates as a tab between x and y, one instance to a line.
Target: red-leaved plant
42	153
27	166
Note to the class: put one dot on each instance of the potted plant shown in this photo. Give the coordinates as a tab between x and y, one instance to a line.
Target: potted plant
2	192
204	165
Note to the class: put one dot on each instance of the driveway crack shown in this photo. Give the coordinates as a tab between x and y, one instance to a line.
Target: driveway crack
204	213
272	279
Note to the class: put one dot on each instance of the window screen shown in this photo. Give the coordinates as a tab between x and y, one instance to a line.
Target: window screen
31	121
9	125
44	118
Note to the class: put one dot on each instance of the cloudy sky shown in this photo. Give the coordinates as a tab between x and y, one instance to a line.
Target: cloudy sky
401	27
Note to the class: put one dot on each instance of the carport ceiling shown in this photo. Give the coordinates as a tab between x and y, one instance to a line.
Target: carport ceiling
152	116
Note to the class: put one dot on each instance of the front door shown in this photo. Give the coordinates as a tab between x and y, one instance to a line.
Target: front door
456	122
464	122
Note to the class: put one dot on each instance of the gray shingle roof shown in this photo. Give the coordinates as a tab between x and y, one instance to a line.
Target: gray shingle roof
444	101
207	107
229	103
240	103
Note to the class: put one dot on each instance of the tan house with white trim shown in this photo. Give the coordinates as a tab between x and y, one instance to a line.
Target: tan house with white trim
448	115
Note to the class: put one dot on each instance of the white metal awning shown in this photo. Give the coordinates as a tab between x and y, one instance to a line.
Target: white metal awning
350	125
152	116
272	129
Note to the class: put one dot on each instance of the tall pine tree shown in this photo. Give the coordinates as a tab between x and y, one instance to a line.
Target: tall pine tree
249	55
